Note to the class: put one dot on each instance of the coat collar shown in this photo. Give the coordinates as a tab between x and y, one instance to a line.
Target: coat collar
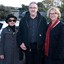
10	30
27	16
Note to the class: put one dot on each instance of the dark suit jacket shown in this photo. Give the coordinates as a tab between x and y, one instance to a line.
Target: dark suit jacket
22	35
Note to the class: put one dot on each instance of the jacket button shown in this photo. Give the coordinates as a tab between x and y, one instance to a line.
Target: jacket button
40	35
29	50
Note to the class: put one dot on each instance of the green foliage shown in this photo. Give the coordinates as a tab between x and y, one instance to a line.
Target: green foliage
24	7
62	8
48	3
4	11
41	7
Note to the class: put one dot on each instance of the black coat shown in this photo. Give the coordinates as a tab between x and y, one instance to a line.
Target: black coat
22	35
56	45
8	46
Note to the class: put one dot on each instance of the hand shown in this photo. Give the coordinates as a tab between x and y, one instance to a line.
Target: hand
1	56
23	47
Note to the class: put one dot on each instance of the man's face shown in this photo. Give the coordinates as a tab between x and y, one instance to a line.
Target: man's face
33	8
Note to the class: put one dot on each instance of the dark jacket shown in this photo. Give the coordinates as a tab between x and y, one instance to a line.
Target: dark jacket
8	46
22	35
56	45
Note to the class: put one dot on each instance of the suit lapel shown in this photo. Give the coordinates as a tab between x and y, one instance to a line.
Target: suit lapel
38	20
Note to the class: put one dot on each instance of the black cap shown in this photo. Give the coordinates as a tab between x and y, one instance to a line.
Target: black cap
10	16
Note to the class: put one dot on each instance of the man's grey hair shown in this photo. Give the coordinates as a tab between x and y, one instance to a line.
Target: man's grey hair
33	3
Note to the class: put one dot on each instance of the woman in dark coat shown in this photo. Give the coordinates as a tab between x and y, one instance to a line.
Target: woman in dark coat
54	42
8	47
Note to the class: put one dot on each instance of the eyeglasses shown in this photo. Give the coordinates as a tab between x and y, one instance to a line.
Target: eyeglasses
33	7
12	20
53	13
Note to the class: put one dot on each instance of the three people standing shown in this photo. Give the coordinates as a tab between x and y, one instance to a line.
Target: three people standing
33	39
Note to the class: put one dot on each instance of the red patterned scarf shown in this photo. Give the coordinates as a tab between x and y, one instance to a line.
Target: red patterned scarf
47	39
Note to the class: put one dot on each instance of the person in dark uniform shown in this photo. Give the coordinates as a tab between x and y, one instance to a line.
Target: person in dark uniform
54	42
31	34
8	47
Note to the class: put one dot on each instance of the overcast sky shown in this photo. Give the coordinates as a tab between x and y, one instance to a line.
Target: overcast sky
17	3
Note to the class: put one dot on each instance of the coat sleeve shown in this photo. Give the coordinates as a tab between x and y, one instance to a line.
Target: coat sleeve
19	36
44	23
2	42
62	44
62	41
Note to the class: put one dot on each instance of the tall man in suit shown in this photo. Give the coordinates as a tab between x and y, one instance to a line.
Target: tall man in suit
31	34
